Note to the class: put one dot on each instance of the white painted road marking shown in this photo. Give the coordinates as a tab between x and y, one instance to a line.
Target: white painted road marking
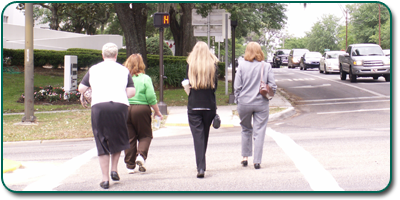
344	99
341	82
312	86
337	103
318	178
55	177
351	111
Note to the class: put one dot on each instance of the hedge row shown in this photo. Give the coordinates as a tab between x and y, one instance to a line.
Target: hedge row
174	66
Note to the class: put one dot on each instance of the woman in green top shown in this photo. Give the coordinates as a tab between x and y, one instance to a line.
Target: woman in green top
139	116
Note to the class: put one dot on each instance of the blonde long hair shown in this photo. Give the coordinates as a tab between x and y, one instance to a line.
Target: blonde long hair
135	64
201	67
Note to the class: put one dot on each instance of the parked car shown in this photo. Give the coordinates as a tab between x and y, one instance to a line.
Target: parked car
310	60
294	57
364	60
280	58
330	62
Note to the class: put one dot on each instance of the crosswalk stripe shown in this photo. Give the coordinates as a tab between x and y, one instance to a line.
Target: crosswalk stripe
318	178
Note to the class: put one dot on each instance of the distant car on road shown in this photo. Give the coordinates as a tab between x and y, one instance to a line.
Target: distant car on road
294	57
280	58
330	62
310	60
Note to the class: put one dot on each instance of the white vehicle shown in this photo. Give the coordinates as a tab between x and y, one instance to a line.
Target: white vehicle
330	62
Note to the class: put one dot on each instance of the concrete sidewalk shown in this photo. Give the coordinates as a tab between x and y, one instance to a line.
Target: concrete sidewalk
177	115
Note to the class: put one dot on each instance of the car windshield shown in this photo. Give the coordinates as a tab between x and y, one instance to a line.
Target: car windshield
313	55
300	52
367	51
283	52
334	55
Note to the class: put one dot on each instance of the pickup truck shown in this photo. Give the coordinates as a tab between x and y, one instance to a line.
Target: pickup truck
364	60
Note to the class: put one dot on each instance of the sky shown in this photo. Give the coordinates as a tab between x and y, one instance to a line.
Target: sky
301	20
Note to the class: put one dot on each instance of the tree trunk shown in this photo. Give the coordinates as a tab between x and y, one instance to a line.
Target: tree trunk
182	31
133	23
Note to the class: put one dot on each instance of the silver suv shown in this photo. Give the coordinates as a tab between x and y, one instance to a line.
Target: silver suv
364	60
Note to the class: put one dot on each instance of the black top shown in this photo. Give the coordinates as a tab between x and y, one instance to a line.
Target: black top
202	99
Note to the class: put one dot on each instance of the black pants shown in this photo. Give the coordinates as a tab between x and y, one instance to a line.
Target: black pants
200	122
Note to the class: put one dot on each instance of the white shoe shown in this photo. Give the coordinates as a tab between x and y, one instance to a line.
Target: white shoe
130	171
140	163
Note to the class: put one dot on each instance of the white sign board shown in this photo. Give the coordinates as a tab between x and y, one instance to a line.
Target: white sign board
70	74
217	23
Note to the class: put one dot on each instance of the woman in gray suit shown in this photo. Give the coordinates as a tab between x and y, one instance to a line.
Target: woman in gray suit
250	103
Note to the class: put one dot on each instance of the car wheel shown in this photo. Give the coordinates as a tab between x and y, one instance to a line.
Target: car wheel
353	78
387	78
325	72
342	75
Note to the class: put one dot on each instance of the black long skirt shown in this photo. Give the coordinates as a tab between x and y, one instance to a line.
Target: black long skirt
109	127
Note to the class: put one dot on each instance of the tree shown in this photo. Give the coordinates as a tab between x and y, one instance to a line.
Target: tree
53	15
87	17
323	34
295	43
133	19
181	28
365	20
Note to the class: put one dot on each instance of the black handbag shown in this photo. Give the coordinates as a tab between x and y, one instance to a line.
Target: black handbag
216	121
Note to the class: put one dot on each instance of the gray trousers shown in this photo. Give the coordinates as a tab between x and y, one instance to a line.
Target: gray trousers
255	132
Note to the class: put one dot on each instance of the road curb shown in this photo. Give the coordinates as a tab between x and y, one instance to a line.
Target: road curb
10	165
282	115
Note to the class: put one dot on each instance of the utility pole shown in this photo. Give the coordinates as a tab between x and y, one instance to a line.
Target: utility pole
379	24
345	12
28	70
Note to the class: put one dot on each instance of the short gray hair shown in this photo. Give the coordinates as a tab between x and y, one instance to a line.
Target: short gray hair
110	50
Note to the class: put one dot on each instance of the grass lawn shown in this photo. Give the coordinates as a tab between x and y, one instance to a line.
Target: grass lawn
50	126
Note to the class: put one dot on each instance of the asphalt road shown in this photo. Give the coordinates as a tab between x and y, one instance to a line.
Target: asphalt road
339	140
345	126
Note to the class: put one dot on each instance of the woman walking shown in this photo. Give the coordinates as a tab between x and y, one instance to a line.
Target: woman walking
203	79
251	104
111	87
139	116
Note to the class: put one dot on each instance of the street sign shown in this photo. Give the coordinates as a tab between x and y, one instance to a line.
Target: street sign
161	20
216	22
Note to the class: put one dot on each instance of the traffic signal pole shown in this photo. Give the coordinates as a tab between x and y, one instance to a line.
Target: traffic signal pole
161	21
162	106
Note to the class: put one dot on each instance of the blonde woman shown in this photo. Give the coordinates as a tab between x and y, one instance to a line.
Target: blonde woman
139	114
203	79
251	104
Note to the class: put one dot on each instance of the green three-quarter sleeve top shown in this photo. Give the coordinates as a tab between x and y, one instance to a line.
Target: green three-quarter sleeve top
145	94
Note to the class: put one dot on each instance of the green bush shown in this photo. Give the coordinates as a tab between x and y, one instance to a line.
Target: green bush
153	47
175	66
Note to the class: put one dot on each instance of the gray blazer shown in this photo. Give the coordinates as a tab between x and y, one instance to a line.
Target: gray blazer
247	82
